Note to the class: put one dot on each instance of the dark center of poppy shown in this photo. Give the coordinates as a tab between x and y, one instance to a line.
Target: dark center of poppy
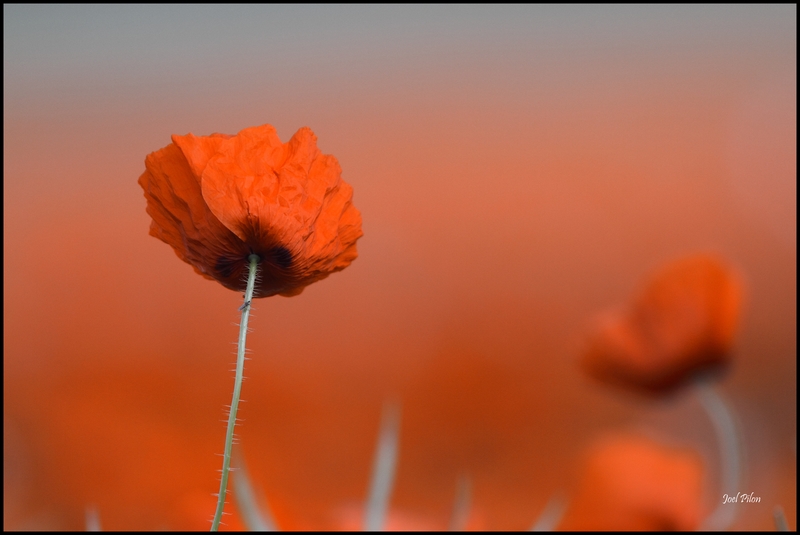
226	266
281	257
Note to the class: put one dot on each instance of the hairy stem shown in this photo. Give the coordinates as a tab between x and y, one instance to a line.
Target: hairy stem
237	389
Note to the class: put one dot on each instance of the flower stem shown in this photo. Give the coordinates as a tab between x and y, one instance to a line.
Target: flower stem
383	468
237	389
552	513
723	419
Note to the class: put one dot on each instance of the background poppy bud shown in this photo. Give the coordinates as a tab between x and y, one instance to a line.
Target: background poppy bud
682	322
218	199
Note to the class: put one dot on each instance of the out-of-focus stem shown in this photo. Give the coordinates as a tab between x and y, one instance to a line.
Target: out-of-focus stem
461	506
780	519
552	513
237	390
383	469
728	438
254	516
92	519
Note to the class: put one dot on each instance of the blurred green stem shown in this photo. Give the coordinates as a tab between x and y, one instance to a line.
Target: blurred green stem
724	422
383	469
237	389
461	506
552	513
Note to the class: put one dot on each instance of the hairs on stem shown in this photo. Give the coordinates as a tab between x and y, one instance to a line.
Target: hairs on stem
237	390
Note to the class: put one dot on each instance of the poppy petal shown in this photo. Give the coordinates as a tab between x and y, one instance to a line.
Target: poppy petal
251	194
631	482
682	322
180	215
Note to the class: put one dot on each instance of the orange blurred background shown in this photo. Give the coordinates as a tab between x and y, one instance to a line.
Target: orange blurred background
518	169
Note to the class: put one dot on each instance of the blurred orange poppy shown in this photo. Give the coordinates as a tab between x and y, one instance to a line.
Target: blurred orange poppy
631	482
683	322
218	199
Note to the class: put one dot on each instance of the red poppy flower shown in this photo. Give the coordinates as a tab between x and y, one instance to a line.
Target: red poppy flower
634	483
682	322
218	199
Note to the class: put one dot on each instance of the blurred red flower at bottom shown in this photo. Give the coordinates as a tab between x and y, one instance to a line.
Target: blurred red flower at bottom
631	482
